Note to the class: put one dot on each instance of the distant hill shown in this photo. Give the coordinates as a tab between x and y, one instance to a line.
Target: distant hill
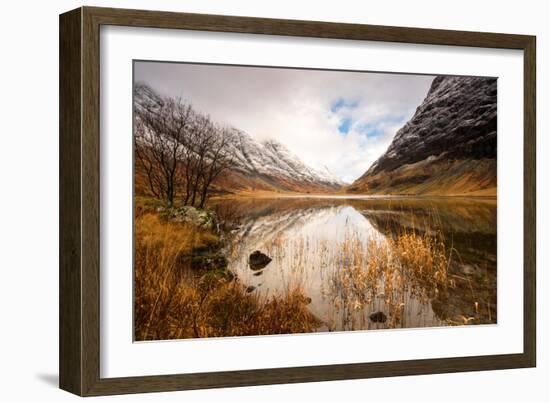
256	165
269	165
449	147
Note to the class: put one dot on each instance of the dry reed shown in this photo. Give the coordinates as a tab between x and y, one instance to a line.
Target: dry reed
386	273
173	302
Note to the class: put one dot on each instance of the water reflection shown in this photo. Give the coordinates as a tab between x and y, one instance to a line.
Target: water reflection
319	244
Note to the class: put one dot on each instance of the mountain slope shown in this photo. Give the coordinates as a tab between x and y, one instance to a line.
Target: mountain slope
269	165
256	165
448	146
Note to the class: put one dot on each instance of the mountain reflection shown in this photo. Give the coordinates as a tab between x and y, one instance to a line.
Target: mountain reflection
326	245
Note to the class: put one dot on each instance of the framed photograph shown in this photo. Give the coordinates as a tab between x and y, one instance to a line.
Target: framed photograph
250	201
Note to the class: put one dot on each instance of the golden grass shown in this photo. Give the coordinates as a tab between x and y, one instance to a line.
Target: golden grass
386	273
435	177
409	264
173	302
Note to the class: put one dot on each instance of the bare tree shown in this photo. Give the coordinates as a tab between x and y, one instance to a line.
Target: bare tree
209	157
179	150
218	158
159	130
202	134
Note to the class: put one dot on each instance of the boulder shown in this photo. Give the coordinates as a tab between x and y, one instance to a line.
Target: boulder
213	277
378	317
467	269
201	218
209	262
258	260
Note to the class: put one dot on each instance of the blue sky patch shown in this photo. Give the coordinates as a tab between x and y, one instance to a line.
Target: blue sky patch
344	126
371	130
375	129
343	103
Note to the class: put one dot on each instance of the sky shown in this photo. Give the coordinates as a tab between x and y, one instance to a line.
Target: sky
335	119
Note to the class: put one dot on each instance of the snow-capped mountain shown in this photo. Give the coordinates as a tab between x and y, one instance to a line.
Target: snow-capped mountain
448	147
256	165
272	161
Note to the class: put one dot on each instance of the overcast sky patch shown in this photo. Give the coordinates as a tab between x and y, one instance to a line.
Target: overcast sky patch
341	120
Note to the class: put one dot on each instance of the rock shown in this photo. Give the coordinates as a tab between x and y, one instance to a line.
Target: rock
306	300
258	273
378	317
250	288
258	260
467	269
203	250
215	276
208	262
201	218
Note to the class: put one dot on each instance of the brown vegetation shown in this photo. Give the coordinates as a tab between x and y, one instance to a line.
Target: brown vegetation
233	181
429	177
394	269
173	301
410	265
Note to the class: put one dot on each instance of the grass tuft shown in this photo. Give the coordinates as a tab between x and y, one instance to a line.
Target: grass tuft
173	301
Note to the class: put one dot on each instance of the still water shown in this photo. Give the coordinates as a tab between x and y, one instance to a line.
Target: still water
312	240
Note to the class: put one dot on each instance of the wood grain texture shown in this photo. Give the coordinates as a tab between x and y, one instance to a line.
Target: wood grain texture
70	314
80	196
530	203
316	29
90	202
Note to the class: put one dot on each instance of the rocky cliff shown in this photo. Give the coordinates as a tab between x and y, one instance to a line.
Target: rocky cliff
448	147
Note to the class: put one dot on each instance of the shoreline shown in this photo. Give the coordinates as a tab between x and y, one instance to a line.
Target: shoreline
262	194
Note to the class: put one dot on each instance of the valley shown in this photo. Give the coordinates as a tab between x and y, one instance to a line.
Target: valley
236	235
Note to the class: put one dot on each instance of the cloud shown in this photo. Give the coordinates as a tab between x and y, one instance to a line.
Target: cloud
341	120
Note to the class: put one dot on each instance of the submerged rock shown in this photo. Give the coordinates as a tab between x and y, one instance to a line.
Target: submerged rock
258	260
378	317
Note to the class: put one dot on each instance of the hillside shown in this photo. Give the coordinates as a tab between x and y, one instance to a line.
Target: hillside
269	165
448	147
255	165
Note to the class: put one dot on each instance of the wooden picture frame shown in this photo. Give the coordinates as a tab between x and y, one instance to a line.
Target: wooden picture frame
79	347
